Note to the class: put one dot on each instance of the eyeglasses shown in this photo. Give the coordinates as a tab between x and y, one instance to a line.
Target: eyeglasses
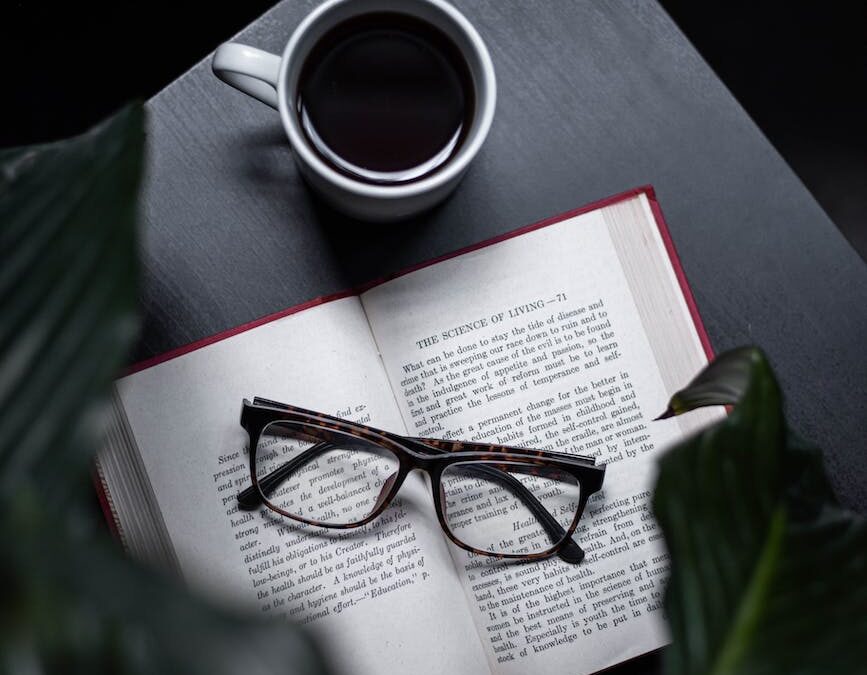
492	500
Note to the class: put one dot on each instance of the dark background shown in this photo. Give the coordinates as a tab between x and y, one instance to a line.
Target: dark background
799	69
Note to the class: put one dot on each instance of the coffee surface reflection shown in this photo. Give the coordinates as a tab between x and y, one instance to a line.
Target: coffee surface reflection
385	98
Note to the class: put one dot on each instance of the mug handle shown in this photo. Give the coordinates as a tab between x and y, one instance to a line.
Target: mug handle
248	69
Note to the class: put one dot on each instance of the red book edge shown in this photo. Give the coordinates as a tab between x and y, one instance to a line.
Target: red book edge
647	190
105	504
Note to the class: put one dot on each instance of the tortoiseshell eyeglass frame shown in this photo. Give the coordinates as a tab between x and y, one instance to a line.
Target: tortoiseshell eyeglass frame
432	456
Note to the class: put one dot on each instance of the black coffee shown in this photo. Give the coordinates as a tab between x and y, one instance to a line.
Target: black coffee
385	98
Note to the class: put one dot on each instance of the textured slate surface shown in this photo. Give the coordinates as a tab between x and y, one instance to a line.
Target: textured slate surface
594	98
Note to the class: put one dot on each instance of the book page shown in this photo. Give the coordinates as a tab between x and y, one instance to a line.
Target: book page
381	597
570	338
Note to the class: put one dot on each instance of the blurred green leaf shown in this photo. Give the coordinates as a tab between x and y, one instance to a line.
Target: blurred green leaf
70	600
81	607
67	297
768	572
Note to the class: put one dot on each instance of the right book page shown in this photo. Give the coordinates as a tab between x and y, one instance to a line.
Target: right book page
569	336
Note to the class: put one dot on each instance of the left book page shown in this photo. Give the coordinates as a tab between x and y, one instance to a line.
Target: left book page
183	417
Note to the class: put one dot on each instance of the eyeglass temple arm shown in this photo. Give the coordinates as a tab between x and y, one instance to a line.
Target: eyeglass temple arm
570	551
250	498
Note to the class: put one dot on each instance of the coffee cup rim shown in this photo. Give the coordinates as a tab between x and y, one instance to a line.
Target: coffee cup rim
483	114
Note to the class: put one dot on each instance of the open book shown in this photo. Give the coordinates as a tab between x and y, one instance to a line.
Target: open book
567	335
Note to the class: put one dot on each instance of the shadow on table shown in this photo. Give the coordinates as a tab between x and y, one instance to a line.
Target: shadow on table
368	250
648	663
363	250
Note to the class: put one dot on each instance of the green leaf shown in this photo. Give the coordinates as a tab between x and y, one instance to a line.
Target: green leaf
722	382
768	572
71	602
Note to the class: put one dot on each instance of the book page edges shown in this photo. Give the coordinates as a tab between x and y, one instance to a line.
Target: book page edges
126	495
679	273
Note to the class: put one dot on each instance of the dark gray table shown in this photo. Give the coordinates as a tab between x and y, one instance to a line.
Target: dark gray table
594	97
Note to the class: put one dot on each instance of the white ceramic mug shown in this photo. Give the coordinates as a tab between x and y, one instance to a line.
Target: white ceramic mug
274	80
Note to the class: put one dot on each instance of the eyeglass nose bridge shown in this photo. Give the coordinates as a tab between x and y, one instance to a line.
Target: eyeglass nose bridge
412	460
388	487
391	487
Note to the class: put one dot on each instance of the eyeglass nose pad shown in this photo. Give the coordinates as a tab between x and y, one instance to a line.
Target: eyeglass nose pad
385	491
